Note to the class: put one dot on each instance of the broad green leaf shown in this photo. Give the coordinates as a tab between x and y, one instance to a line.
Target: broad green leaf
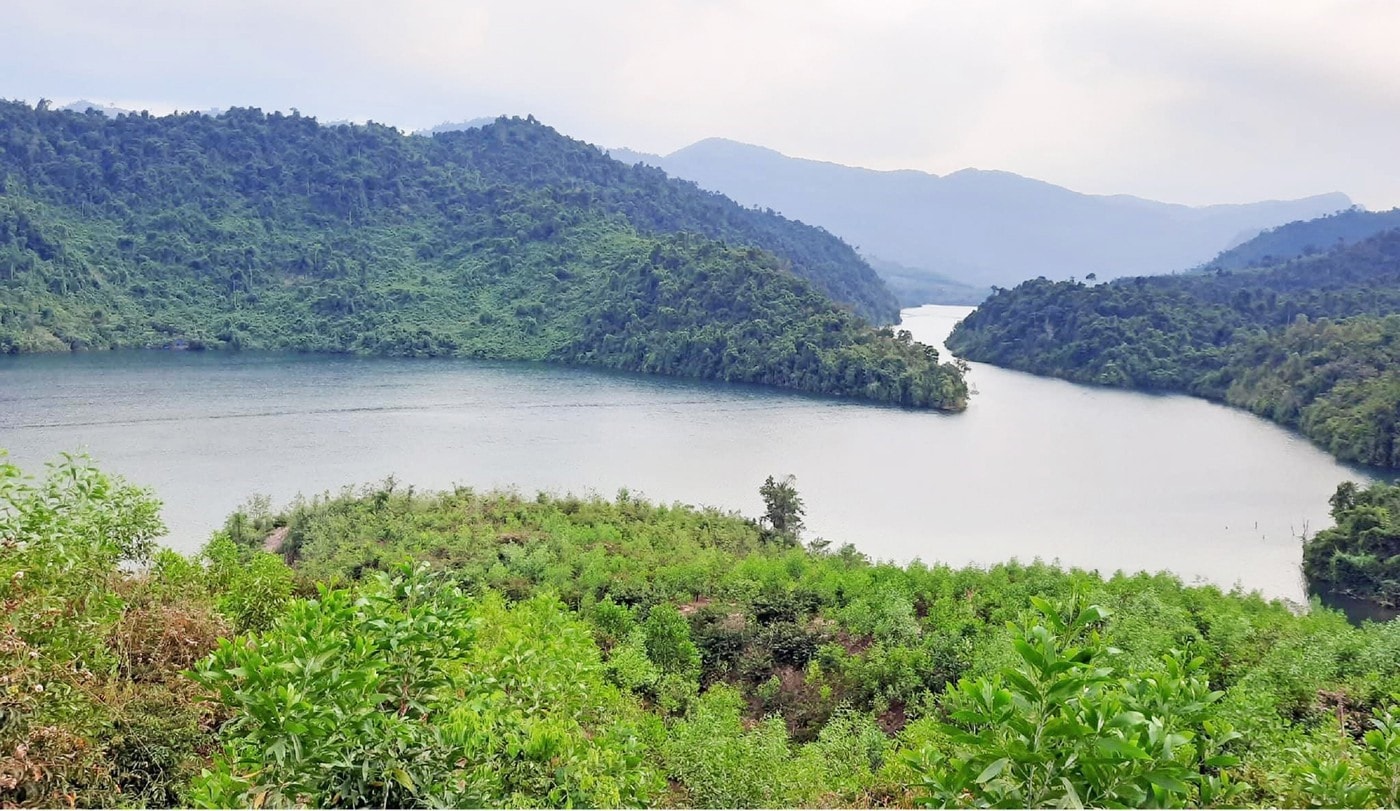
993	769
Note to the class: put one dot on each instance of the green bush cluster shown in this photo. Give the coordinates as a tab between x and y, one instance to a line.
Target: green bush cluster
1360	555
95	705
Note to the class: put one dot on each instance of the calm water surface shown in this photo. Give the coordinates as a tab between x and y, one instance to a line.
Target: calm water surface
1035	468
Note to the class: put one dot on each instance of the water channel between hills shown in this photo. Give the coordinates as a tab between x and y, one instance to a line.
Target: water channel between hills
1036	468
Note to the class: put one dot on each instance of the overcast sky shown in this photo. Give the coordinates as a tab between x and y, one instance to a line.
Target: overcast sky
1192	101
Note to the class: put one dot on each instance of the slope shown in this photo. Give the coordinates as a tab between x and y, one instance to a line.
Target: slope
1304	238
510	241
1312	344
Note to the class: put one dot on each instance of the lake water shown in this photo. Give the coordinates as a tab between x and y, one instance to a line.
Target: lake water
1035	468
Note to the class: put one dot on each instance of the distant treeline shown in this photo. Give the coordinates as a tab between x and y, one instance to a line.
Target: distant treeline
470	649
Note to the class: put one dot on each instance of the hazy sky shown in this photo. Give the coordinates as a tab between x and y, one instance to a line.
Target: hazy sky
1194	101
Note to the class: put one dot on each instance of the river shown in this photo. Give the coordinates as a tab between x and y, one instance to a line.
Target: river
1035	468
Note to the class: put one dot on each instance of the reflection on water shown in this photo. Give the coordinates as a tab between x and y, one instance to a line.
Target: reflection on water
1358	611
1036	468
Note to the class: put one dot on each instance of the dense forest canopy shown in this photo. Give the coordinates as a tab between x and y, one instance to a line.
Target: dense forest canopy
485	649
1310	343
253	230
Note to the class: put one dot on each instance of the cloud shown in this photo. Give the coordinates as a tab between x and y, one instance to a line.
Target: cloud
1189	100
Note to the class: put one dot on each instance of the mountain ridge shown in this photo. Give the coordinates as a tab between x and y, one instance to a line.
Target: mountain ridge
982	227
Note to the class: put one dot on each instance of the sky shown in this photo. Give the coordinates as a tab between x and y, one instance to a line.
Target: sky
1189	101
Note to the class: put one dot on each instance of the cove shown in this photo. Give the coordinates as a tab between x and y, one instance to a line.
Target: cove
1035	468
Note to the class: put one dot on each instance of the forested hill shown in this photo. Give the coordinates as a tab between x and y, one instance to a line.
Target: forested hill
1313	344
1298	240
509	241
522	152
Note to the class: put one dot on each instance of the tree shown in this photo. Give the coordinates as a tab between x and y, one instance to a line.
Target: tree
783	508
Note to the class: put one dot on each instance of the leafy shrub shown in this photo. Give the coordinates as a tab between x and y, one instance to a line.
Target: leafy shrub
409	693
1059	729
720	765
668	642
62	541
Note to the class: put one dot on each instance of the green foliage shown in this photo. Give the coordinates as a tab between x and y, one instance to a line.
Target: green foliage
722	765
407	693
1059	730
92	710
475	649
510	241
257	595
629	666
668	641
1311	344
1381	757
1337	777
782	507
1360	555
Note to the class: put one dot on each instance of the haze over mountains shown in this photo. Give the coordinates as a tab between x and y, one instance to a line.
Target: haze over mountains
979	227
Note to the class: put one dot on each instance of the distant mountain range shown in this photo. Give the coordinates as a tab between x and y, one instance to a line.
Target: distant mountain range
977	227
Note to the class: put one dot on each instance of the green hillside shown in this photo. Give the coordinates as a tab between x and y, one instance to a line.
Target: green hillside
1310	344
1359	556
252	230
1304	238
486	650
1313	344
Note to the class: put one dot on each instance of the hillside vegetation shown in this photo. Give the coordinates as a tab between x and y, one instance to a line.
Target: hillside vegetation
253	230
1297	240
1311	344
484	649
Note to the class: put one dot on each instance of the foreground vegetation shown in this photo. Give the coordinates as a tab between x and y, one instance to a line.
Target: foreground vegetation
486	649
268	231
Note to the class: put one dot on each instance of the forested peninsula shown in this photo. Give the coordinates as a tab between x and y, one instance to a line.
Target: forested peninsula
396	649
248	230
1312	343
